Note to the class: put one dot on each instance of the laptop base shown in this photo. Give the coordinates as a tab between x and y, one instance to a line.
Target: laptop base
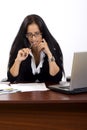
66	89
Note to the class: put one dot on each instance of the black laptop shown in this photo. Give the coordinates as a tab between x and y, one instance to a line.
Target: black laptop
78	82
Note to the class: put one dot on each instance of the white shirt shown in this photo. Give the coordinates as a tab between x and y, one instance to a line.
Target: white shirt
33	65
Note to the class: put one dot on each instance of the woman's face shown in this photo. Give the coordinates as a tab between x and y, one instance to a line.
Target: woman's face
34	35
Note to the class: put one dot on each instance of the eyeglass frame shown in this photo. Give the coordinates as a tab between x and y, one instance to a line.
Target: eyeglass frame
36	35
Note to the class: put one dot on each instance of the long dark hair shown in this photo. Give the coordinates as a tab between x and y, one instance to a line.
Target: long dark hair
22	42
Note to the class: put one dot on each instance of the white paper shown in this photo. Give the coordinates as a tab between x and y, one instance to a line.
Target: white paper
26	87
6	88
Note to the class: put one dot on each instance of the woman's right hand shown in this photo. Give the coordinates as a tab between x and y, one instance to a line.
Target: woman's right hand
23	54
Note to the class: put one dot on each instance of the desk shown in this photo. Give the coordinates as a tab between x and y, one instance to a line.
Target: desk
46	110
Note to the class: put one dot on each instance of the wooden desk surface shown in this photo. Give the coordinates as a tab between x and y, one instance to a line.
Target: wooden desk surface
43	110
42	97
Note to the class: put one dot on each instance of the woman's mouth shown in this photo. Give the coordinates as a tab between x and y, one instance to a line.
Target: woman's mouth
34	44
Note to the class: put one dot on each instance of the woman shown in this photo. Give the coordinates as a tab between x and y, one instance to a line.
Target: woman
35	55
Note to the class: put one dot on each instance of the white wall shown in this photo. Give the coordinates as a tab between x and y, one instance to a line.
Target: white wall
66	19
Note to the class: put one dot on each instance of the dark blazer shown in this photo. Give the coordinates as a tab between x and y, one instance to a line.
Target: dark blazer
26	75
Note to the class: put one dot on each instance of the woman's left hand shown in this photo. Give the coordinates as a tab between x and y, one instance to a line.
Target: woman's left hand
43	46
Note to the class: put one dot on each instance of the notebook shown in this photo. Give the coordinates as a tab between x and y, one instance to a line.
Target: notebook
78	82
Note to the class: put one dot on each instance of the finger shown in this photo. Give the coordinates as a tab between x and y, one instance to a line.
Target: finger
25	52
43	40
28	50
41	47
21	54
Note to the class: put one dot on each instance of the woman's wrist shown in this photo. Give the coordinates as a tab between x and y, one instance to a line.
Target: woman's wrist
51	59
49	54
17	61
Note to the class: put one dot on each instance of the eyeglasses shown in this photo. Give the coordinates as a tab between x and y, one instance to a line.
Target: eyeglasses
36	34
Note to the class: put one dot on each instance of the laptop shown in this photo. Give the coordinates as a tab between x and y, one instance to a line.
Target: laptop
78	82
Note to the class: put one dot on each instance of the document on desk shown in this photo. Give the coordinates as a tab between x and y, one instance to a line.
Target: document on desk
26	87
6	88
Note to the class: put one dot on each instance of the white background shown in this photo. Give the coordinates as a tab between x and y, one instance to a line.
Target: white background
66	20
